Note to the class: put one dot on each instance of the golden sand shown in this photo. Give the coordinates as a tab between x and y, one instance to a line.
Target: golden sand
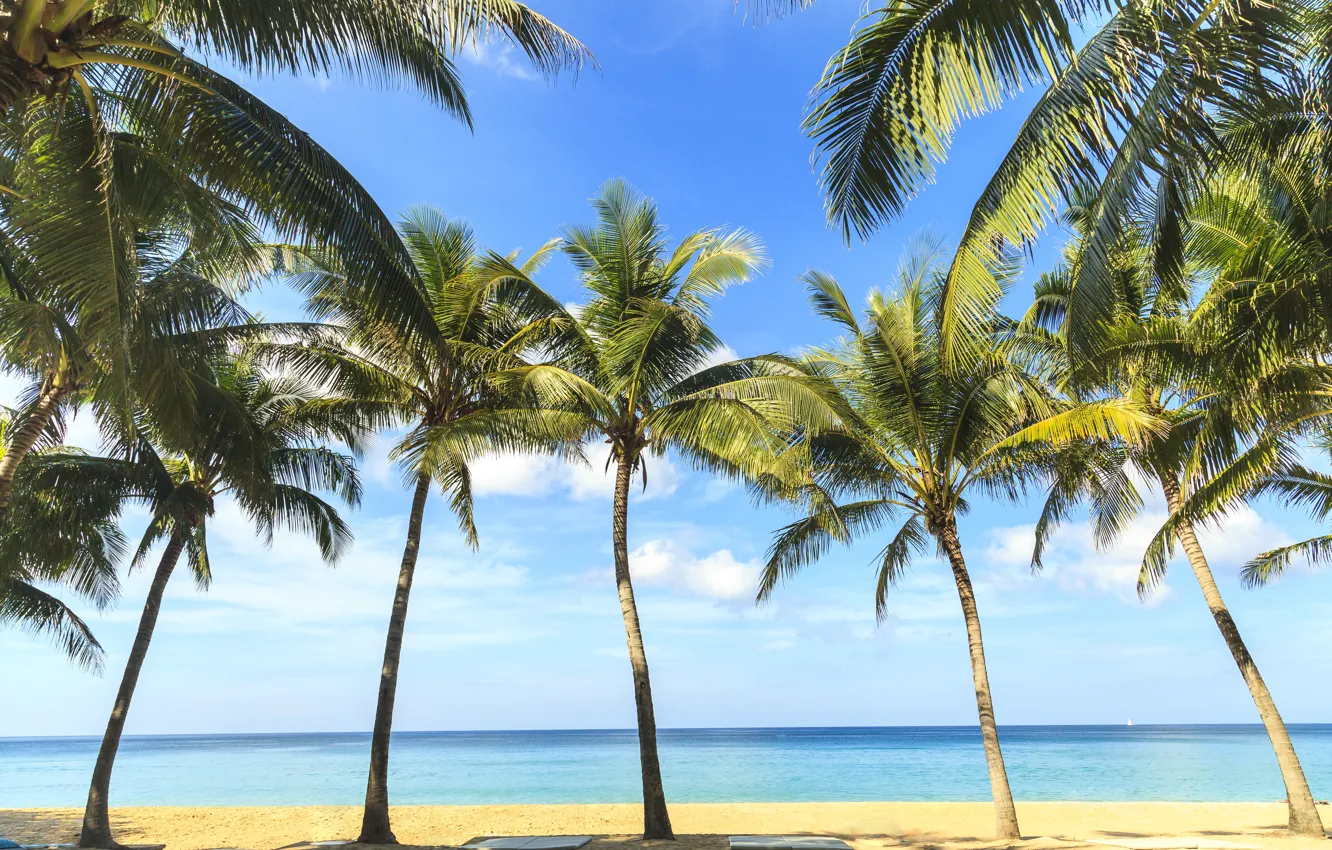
866	826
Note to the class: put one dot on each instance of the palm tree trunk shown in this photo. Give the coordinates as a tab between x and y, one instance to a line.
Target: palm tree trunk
24	438
1304	819
375	821
656	820
96	819
1006	823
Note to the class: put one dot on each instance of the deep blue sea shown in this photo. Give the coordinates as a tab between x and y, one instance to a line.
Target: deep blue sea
1185	763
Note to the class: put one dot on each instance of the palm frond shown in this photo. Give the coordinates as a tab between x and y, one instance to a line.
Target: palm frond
888	103
829	301
1100	420
303	512
910	541
1273	563
29	607
803	542
373	41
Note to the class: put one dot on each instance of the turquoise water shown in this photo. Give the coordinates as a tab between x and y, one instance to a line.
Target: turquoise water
1186	763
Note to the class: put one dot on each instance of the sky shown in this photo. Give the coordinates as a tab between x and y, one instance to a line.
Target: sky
701	110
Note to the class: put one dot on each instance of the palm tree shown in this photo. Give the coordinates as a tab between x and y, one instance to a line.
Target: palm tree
71	342
49	45
60	536
923	440
177	319
258	440
480	313
1257	223
634	366
1161	354
93	88
180	320
1138	101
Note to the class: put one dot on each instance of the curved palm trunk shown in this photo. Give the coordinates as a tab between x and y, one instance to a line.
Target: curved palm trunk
24	439
1006	823
375	821
96	820
656	820
1304	818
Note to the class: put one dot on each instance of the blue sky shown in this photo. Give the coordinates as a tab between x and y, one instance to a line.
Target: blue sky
702	111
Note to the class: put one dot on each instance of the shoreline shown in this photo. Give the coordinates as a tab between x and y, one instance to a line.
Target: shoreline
701	826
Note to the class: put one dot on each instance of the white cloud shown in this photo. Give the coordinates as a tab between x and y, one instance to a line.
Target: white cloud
1074	562
81	430
517	475
533	475
1241	535
715	576
724	354
376	466
536	475
501	57
717	489
1012	545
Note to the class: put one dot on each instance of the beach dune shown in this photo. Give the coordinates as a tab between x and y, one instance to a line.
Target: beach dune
701	826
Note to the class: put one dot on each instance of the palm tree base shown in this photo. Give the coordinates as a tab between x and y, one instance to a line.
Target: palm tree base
656	820
99	840
377	837
1308	829
659	832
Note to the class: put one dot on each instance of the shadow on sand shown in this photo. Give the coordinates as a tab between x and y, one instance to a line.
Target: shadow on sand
61	826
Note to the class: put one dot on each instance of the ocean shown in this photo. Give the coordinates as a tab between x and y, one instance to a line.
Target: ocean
1095	763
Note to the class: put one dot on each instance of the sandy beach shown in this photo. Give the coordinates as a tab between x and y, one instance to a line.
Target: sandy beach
866	826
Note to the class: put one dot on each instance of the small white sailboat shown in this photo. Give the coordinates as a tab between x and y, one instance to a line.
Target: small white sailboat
1130	721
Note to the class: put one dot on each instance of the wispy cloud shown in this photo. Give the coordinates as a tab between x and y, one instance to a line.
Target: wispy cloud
500	57
536	475
717	575
1075	563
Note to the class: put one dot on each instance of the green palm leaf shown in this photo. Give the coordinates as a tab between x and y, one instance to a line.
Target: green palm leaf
888	104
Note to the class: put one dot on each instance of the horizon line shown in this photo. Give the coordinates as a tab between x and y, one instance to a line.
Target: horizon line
631	730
